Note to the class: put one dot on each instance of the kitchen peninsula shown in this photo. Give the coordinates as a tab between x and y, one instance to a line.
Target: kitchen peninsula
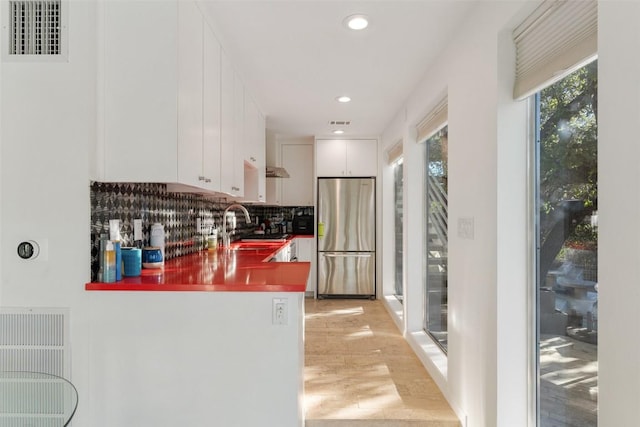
201	342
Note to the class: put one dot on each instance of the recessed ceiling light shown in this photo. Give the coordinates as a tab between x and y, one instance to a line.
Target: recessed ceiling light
343	99
356	22
338	132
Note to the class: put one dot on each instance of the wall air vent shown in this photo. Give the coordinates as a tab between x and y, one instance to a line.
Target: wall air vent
340	122
36	28
35	340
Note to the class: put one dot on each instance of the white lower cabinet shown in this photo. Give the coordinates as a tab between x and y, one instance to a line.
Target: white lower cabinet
305	247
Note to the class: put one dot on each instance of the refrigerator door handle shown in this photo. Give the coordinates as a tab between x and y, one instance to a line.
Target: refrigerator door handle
346	255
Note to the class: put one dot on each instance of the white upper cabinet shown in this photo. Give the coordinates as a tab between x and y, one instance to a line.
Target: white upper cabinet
172	108
255	152
239	142
211	111
190	95
232	144
343	157
138	127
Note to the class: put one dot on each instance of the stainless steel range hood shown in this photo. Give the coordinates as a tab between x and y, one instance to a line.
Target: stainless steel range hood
277	172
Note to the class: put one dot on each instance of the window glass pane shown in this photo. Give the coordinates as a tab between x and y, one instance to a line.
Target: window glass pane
397	171
567	229
435	318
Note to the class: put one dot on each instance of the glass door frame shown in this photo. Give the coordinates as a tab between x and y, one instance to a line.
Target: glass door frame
533	217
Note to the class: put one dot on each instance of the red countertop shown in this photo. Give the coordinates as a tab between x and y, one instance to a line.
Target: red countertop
222	270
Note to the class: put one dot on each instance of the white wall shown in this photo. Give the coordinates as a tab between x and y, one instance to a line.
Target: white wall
486	372
48	117
484	375
618	212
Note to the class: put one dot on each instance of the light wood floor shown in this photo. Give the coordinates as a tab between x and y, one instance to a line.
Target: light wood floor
359	371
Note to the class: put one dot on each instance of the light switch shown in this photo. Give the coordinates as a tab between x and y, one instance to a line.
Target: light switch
466	228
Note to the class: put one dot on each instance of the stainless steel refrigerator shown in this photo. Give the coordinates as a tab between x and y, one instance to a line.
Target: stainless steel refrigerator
346	233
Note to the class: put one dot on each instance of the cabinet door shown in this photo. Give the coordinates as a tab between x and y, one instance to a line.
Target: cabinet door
227	125
305	252
331	157
254	152
362	157
297	190
261	155
190	39
139	92
211	111
239	140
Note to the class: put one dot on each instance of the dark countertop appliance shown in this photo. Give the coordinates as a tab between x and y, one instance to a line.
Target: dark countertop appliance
303	224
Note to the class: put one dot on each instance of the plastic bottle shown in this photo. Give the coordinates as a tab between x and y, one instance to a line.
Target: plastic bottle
212	240
157	238
103	248
118	252
109	263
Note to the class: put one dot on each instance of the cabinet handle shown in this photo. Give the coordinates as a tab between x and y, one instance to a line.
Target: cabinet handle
253	159
207	180
201	178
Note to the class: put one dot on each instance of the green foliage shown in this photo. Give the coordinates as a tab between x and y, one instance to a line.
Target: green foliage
584	237
568	140
569	149
437	153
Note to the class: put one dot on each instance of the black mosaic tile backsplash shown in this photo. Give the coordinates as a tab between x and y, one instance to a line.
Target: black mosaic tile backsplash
178	212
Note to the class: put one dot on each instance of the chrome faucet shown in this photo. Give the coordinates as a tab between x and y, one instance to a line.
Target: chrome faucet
225	237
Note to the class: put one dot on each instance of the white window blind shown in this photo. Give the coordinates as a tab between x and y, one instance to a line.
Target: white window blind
556	39
434	121
395	152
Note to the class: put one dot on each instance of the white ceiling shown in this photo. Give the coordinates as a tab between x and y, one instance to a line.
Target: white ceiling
296	57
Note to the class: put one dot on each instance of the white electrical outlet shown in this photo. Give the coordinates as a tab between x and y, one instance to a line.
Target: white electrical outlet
280	311
137	229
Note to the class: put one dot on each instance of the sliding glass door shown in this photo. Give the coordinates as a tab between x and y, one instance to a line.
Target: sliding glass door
566	210
437	236
398	209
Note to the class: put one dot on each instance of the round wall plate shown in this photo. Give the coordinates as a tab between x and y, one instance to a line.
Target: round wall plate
28	249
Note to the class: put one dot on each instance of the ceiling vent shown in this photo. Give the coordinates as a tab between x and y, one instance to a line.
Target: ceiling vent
36	28
339	122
